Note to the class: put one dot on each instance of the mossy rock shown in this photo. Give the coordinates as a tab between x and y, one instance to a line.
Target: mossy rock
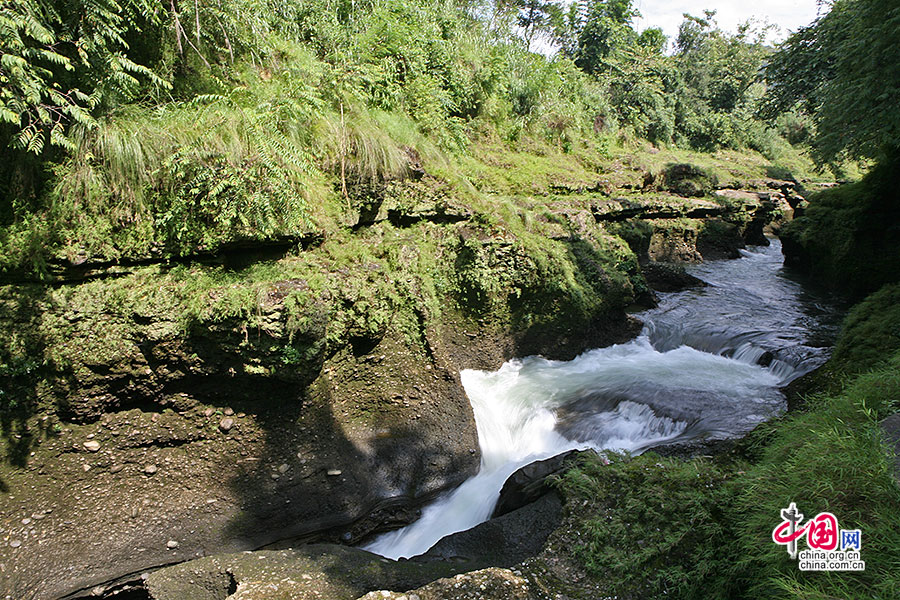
688	180
847	239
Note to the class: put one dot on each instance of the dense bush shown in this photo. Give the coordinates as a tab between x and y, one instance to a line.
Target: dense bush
146	127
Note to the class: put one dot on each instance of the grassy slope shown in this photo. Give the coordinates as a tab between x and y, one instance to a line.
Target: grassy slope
262	159
655	527
198	177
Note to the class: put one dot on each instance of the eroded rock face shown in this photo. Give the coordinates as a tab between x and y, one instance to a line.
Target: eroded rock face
531	482
160	445
494	583
669	277
325	411
309	573
317	571
333	572
361	447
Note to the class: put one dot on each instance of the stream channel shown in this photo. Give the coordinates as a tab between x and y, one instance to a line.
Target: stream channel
709	364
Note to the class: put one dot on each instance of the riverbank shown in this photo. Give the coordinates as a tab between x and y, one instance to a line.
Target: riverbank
315	396
656	527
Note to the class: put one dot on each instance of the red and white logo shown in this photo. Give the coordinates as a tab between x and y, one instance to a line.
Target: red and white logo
829	547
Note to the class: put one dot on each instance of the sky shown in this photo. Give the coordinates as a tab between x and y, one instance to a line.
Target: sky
788	15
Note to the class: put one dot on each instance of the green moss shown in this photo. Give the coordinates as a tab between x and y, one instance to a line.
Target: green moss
688	180
637	233
531	168
847	237
648	527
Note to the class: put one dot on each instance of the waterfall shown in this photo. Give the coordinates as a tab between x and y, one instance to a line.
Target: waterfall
708	364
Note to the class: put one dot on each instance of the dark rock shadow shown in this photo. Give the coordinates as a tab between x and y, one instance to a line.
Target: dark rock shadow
24	362
321	477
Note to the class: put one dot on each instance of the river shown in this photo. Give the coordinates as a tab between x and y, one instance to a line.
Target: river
709	364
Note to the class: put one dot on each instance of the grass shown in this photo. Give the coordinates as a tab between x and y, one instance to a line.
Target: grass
649	527
832	458
262	159
730	167
871	331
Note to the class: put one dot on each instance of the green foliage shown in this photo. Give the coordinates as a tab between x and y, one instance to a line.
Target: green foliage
177	179
703	97
533	16
191	179
842	70
653	39
719	87
871	331
606	31
832	458
46	85
274	106
847	237
649	527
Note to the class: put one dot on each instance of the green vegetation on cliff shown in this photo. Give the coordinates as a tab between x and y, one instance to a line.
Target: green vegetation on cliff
841	72
323	172
847	239
148	131
871	333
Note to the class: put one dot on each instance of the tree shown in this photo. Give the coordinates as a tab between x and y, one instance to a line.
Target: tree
693	31
533	16
589	31
718	67
844	71
653	39
60	60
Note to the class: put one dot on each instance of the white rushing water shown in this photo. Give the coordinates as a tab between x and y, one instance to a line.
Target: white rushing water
663	386
516	412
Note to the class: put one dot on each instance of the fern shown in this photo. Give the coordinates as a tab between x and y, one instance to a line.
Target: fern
31	35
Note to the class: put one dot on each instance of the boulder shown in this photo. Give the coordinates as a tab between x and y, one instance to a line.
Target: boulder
504	540
493	583
531	482
669	277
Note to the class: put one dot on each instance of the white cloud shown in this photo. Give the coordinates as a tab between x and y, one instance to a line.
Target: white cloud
788	15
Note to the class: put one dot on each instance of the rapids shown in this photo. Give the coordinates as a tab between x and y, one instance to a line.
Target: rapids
709	364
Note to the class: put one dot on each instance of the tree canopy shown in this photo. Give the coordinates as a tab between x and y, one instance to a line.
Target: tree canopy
844	71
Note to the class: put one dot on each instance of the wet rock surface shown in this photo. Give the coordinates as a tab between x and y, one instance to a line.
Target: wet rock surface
668	277
507	539
531	482
891	428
